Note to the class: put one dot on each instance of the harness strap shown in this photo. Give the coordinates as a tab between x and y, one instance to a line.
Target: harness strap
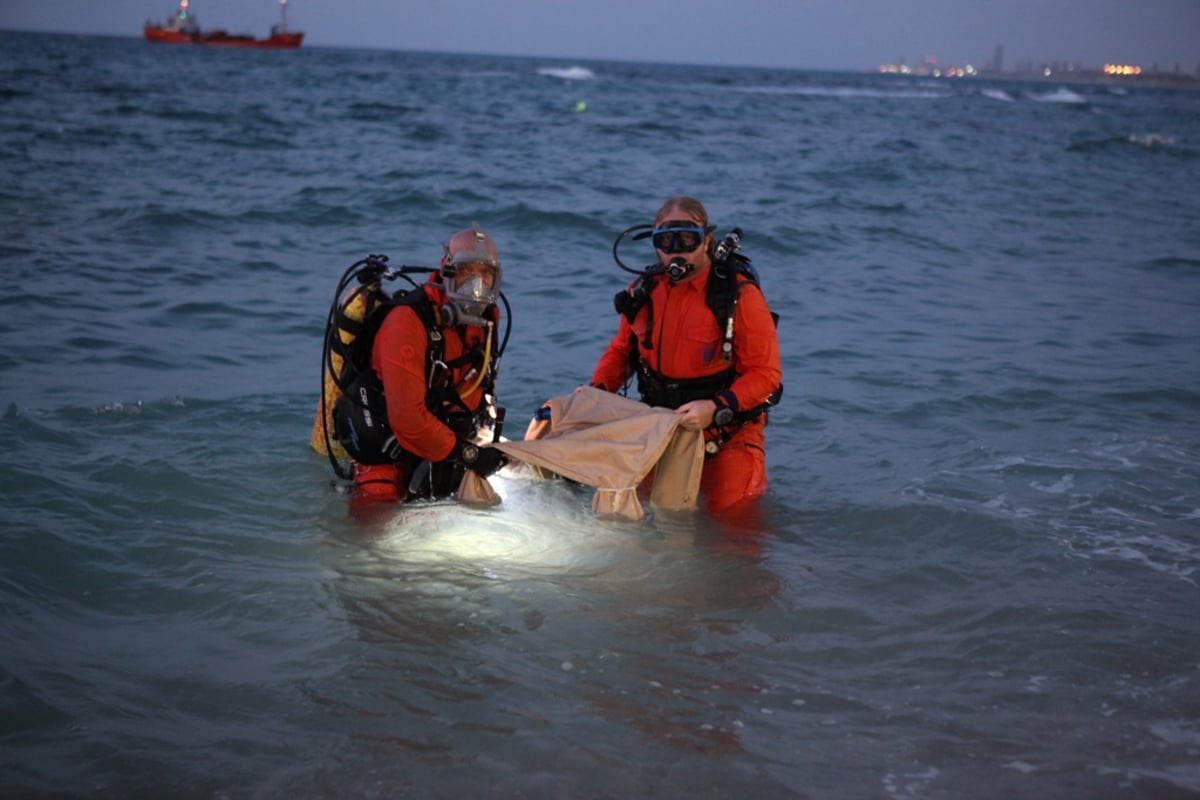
721	296
659	390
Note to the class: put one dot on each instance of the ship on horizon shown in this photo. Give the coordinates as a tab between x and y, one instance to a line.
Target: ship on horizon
183	27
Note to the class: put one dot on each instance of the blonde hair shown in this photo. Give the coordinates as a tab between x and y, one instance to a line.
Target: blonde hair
688	205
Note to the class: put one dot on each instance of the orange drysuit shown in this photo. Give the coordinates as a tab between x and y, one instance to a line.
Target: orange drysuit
685	343
400	356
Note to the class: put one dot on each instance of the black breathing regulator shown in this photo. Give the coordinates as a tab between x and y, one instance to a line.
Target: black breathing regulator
628	301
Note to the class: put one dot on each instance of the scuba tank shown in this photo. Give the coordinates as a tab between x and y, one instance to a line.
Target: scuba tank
351	420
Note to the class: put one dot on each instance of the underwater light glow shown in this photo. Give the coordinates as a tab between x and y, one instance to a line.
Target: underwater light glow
540	526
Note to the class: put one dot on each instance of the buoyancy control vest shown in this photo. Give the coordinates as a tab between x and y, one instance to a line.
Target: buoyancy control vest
721	296
359	412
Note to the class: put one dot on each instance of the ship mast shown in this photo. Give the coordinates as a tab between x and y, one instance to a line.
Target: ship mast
283	16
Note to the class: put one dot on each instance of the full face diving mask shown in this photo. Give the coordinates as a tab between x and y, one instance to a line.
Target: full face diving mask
473	277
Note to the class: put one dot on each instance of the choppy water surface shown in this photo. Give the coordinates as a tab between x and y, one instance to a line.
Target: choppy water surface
975	574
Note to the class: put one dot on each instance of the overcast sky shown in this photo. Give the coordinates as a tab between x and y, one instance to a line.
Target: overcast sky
806	34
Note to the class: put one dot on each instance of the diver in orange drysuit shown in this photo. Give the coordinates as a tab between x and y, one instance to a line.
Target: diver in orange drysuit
679	360
463	291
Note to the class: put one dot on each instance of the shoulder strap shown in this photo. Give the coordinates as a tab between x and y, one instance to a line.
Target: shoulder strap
441	394
721	295
418	301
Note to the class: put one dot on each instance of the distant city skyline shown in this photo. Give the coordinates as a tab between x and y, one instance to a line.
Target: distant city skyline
997	64
801	34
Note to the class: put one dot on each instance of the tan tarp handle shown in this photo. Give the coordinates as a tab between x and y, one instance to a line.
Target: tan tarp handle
475	490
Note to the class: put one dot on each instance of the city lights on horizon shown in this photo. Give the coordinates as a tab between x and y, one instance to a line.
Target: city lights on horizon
929	67
933	70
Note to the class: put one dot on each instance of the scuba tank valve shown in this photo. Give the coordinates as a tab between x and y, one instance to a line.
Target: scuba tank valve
729	245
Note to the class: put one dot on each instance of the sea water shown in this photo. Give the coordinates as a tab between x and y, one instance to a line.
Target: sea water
976	570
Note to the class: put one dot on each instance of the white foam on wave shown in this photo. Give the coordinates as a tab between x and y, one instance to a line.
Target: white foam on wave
1154	550
568	73
1006	462
1061	95
909	784
1177	732
1183	776
1151	140
997	94
1063	485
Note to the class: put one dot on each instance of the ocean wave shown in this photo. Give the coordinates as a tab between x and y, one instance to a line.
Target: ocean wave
1153	139
847	92
1145	142
568	73
1159	398
1184	265
1061	95
252	138
12	93
1091	497
979	407
1124	538
997	94
530	218
155	218
378	111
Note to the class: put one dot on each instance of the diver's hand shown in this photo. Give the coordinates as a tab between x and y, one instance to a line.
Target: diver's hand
481	460
696	415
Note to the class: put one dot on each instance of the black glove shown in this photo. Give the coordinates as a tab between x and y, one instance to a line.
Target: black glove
481	460
727	406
